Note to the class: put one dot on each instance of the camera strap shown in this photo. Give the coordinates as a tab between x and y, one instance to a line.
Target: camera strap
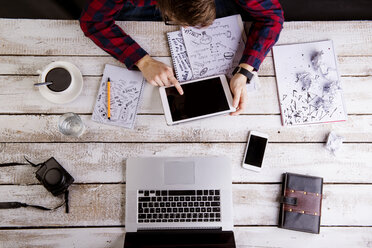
9	205
17	163
12	205
11	164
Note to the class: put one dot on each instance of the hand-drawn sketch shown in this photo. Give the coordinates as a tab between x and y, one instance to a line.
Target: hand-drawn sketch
126	90
228	55
205	39
308	83
218	48
181	64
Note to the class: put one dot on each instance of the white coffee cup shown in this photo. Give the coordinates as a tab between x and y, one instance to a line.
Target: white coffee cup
71	92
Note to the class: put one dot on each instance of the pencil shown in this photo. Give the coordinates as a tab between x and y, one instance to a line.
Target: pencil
108	99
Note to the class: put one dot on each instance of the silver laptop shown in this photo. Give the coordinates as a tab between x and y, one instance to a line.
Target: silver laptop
178	193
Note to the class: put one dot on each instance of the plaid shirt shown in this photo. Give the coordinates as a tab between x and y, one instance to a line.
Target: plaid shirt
97	22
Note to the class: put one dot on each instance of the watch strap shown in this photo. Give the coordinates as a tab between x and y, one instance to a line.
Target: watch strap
244	72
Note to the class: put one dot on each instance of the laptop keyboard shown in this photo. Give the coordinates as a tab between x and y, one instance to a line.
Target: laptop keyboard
179	206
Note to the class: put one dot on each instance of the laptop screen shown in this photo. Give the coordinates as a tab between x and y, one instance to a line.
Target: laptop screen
180	238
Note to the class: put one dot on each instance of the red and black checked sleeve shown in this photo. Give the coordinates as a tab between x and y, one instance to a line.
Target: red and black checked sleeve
265	29
97	23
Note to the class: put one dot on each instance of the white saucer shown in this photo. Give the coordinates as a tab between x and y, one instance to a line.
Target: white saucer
68	95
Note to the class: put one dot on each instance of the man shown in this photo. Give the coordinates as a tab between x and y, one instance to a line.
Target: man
98	23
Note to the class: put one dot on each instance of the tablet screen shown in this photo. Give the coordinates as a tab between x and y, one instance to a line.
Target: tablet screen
200	98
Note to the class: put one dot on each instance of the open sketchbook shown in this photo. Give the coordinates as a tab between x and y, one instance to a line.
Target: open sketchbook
217	49
309	86
126	89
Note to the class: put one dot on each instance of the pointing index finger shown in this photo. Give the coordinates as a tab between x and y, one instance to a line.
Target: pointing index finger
176	84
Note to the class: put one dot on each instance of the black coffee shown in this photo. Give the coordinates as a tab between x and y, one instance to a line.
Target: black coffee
60	78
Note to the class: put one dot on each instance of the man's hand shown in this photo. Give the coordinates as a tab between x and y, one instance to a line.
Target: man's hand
158	73
239	91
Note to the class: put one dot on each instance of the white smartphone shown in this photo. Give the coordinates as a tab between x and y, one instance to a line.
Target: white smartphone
255	151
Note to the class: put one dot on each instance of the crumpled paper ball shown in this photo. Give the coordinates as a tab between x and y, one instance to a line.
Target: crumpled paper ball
334	142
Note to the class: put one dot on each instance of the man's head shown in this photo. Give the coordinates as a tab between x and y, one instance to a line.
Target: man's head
197	13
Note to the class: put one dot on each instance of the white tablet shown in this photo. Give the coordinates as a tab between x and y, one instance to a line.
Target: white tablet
202	98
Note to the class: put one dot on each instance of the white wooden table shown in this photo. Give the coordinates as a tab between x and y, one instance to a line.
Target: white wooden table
28	126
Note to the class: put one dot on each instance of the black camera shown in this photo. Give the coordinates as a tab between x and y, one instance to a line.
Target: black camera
54	177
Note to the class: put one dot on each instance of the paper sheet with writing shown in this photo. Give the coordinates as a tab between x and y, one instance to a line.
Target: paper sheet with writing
309	84
125	92
216	49
181	63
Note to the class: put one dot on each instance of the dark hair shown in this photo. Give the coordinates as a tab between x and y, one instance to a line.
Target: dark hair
198	13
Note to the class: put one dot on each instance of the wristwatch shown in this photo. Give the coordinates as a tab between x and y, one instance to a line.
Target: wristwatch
244	72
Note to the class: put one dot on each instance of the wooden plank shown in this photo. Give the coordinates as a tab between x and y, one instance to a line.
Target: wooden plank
341	205
93	66
342	34
354	66
64	37
88	65
89	205
23	97
341	237
106	162
104	204
44	37
272	237
64	237
152	128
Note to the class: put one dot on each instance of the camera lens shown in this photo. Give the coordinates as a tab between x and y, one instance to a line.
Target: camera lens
53	177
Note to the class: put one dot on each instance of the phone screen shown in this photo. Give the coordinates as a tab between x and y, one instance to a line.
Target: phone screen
255	151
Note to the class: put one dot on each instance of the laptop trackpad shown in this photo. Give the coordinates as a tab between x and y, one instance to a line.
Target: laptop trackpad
177	172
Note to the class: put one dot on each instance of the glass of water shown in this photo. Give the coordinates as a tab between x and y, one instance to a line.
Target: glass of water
71	124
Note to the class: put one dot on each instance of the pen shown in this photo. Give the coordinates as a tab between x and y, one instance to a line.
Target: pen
108	99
